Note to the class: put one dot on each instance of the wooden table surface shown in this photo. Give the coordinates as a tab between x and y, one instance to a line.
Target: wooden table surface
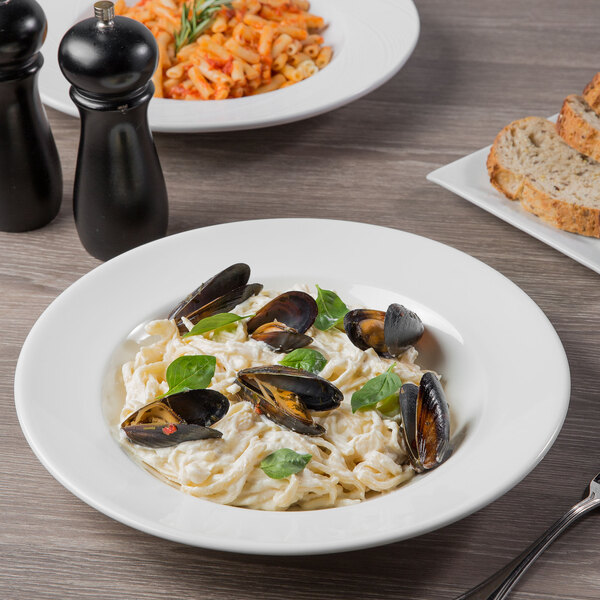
478	65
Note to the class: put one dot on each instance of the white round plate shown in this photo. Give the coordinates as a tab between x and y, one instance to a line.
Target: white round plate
371	42
499	350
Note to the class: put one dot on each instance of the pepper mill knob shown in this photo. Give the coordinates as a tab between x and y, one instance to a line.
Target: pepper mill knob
30	173
119	196
108	55
23	29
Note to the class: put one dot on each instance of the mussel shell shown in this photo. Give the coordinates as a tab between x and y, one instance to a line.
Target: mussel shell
201	407
155	413
365	329
315	392
178	418
426	423
291	413
408	400
162	436
220	305
280	337
229	279
402	329
295	309
198	407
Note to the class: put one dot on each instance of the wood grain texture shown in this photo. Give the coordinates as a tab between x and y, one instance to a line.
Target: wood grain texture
478	65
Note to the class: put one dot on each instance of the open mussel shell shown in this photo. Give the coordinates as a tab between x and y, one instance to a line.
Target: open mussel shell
229	279
365	329
163	436
282	407
183	417
280	337
200	407
402	329
223	304
425	423
315	392
285	395
219	294
297	310
389	333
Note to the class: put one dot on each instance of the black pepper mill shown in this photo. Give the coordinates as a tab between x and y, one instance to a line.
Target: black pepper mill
120	198
30	174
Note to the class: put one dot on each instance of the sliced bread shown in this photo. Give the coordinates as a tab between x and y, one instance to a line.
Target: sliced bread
591	94
579	126
530	162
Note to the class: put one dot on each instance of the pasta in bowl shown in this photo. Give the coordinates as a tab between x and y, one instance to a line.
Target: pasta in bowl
505	411
367	52
314	414
219	49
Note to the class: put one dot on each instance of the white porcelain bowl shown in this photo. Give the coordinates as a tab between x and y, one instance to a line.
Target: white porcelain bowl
500	351
371	42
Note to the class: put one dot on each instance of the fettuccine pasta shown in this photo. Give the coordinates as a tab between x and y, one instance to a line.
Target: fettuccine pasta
358	455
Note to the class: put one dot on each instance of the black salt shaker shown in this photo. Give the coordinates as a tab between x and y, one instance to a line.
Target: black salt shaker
30	174
119	198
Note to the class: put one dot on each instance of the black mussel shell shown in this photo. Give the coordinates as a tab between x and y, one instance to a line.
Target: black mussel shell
229	279
280	337
402	329
219	294
285	395
200	407
426	423
222	304
389	334
315	392
409	398
365	329
162	436
182	417
282	407
297	310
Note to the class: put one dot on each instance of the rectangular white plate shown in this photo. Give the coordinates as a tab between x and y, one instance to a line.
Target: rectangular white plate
468	177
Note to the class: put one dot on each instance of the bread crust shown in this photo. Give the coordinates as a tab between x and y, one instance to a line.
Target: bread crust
591	93
515	186
577	132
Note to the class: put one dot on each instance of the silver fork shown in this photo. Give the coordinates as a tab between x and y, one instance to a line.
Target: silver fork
499	585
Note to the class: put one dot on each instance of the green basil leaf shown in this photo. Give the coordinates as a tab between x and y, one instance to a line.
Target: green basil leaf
190	373
390	406
332	310
375	390
214	322
284	462
306	359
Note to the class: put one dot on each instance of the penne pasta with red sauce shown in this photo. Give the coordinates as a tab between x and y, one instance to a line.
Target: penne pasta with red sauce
215	49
